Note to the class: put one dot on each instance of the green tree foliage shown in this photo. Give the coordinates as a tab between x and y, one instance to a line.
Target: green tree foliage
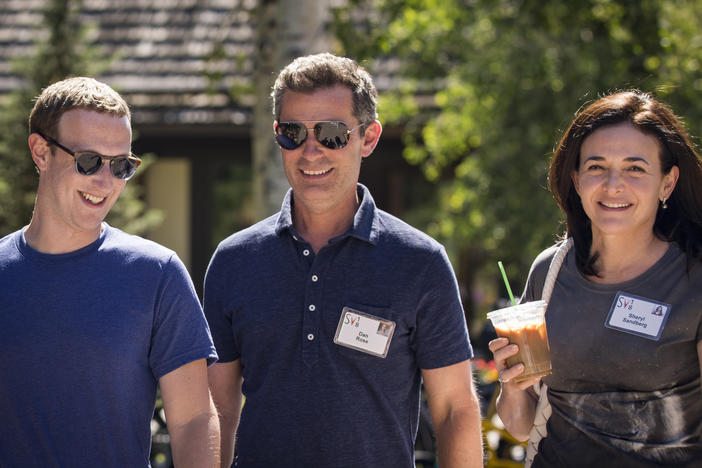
486	88
62	50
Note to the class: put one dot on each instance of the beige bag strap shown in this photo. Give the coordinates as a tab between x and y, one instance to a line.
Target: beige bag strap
543	407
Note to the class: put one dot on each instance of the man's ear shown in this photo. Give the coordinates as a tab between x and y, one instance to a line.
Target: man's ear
370	138
40	150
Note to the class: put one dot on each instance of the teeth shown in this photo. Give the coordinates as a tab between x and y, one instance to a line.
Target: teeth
615	205
92	198
315	172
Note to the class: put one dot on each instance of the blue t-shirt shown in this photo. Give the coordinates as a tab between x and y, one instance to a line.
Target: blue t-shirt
275	305
84	338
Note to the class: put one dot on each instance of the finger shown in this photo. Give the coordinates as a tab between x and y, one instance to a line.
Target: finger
497	343
502	354
506	375
525	384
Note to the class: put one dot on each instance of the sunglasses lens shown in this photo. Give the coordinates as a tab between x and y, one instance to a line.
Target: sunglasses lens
333	135
122	168
88	163
290	135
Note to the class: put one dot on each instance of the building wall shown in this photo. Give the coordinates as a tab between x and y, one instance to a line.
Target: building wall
168	189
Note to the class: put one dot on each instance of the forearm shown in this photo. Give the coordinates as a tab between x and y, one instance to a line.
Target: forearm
459	438
516	409
225	380
228	426
196	444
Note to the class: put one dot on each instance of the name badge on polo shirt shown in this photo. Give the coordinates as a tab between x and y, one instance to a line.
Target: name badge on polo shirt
638	315
364	332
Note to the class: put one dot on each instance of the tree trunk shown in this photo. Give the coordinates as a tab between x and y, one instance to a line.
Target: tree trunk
286	29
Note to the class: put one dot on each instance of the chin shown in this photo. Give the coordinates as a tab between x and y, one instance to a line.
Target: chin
619	229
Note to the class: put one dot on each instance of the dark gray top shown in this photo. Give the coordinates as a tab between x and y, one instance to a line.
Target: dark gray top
620	399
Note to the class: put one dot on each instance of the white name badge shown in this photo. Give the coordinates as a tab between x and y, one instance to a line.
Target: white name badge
638	315
364	332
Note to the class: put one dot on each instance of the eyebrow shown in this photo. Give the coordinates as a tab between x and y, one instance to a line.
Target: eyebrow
74	153
627	159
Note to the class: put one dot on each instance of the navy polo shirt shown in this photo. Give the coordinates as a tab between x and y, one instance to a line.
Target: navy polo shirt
275	305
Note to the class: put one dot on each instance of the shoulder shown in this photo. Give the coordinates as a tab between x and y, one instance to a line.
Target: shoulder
252	244
539	270
541	264
407	248
8	241
132	249
543	260
397	234
253	237
8	248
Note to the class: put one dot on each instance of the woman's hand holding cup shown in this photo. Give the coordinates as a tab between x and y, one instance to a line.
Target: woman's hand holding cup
502	349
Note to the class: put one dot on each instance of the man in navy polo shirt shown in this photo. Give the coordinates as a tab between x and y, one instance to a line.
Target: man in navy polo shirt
327	315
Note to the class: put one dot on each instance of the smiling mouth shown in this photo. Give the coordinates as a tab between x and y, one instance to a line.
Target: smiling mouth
92	198
615	205
315	173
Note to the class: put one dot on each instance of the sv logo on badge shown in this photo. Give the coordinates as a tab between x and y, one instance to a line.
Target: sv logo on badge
625	303
352	320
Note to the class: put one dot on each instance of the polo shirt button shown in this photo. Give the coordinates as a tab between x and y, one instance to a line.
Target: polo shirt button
305	252
314	278
312	307
310	337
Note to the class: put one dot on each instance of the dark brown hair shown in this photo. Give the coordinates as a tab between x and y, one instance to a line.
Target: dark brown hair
312	72
681	222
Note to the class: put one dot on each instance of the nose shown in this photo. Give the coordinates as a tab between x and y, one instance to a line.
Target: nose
311	148
614	181
103	175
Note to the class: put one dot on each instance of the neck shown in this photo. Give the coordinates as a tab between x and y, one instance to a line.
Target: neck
621	259
48	241
318	228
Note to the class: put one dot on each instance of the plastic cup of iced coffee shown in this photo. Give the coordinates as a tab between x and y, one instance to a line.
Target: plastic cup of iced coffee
525	325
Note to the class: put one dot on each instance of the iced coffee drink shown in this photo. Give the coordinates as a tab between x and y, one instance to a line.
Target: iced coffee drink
524	325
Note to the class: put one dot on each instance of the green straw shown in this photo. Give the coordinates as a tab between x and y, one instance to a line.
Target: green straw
504	277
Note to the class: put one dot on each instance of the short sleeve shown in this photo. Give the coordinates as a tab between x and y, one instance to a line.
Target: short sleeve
442	335
219	315
537	275
180	332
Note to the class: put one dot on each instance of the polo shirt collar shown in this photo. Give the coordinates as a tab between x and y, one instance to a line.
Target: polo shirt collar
284	221
365	222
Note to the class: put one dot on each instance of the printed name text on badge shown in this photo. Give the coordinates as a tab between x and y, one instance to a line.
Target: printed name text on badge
638	315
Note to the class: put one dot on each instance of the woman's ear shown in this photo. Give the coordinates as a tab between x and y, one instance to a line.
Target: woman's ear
669	182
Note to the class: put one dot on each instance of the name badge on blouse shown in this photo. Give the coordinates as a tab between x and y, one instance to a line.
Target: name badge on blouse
638	315
364	332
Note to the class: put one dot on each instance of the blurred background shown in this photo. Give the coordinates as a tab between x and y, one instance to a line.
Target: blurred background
474	95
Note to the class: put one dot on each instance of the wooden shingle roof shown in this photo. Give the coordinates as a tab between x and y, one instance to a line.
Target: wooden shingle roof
166	52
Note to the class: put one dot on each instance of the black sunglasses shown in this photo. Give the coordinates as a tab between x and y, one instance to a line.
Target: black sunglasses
90	162
332	134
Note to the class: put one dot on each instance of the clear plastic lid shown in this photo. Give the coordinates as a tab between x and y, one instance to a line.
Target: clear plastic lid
527	311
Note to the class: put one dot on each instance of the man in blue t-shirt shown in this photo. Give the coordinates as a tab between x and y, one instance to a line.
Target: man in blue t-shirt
329	314
93	319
